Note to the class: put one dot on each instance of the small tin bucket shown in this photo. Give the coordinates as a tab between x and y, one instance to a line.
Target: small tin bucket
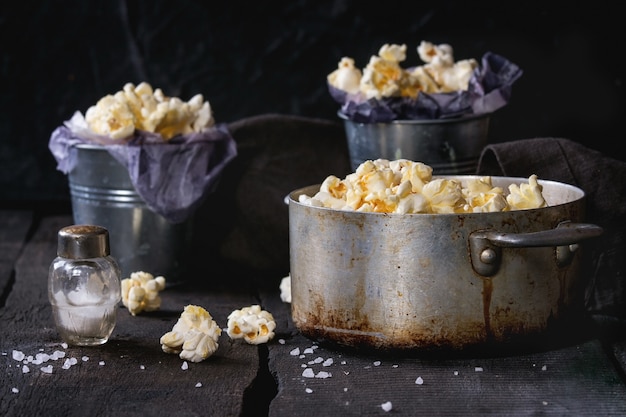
140	239
449	146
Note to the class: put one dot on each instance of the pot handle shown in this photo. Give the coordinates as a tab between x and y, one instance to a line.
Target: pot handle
486	245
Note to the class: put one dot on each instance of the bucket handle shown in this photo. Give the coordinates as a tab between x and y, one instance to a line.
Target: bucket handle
486	245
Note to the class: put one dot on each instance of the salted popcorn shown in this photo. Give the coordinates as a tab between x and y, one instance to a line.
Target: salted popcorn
254	325
346	77
194	337
140	292
408	187
140	107
384	76
526	196
446	74
285	289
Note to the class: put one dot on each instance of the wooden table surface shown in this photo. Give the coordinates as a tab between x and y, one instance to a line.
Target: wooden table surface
131	376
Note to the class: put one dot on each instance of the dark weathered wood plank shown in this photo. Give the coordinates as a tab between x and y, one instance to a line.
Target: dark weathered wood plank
569	380
14	225
136	377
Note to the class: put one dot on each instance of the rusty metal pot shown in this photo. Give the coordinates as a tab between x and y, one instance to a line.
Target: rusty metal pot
413	281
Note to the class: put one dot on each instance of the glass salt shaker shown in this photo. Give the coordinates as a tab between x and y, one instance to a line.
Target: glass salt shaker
84	286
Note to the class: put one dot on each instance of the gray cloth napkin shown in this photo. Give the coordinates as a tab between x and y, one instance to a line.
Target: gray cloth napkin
603	179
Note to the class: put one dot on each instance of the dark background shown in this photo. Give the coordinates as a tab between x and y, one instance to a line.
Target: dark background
251	58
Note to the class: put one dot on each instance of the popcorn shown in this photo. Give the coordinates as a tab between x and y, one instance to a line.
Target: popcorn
254	325
346	77
140	292
140	107
387	89
194	337
285	289
526	196
407	187
385	77
446	74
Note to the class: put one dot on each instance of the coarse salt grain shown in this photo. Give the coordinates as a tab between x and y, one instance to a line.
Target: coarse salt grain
281	341
376	363
101	363
18	355
386	406
15	390
47	369
295	352
308	390
198	385
328	362
308	373
85	358
478	369
323	375
419	380
308	350
184	366
456	372
142	367
25	369
544	367
58	354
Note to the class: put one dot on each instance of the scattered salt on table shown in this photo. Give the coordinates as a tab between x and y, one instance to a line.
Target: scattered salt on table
18	355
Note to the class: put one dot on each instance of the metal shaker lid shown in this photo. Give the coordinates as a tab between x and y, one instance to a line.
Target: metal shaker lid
83	241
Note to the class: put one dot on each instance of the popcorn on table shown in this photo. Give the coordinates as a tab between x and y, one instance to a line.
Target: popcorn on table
140	107
254	325
407	187
385	77
140	292
194	337
285	289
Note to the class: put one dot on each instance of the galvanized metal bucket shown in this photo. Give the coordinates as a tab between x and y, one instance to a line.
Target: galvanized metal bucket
449	146
141	240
